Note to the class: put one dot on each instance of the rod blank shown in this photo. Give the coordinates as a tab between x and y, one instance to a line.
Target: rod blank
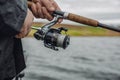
117	29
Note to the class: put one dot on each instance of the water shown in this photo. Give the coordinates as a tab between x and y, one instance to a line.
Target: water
87	58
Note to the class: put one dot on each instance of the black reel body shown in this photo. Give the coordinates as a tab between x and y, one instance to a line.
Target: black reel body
52	37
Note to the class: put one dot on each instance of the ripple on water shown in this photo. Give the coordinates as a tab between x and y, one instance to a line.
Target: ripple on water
95	58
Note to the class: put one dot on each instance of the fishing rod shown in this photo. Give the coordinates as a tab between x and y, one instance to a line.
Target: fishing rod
82	20
53	38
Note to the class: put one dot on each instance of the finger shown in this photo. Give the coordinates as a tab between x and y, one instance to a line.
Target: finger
34	9
35	1
48	5
46	14
38	7
19	35
56	8
23	32
39	10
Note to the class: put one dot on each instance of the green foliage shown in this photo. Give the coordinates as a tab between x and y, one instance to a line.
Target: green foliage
83	31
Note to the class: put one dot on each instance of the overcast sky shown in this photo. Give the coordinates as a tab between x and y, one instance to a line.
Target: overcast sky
106	11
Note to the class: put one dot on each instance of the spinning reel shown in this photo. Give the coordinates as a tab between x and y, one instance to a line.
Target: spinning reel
52	37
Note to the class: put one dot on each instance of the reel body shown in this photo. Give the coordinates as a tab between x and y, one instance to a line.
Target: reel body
52	37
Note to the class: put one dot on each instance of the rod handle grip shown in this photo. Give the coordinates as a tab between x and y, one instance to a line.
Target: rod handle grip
81	19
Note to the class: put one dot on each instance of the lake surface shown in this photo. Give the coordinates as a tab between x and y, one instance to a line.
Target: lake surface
87	58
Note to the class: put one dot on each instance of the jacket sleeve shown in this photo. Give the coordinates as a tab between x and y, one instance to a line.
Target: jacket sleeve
12	16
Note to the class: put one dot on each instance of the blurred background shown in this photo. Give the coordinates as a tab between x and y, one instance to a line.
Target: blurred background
106	11
93	54
103	10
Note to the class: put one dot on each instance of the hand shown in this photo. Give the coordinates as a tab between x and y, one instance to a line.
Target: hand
26	26
44	8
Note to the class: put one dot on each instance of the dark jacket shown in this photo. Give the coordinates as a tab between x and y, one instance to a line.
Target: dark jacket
12	16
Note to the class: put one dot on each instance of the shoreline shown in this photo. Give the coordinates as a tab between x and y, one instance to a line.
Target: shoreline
80	30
